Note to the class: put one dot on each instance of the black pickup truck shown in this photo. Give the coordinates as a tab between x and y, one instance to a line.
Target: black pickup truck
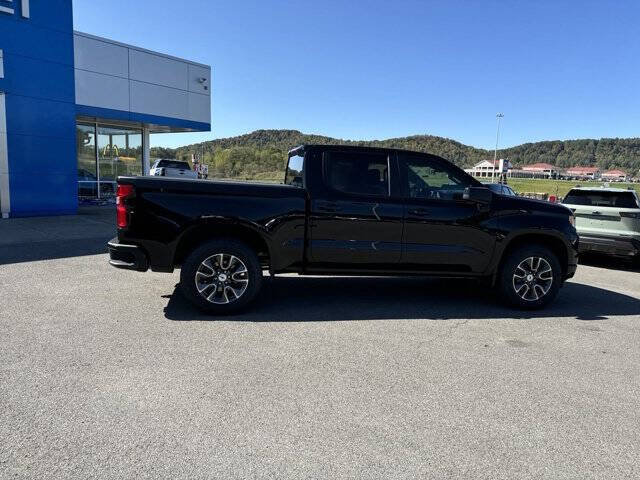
343	211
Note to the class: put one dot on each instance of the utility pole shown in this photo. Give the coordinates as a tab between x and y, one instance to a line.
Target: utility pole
495	153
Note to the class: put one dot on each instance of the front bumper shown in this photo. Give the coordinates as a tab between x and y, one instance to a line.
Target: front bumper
129	257
618	245
572	255
571	270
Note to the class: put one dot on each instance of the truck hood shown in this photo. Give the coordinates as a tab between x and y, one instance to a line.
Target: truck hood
503	202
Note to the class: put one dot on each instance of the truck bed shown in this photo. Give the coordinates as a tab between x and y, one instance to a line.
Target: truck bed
193	185
167	214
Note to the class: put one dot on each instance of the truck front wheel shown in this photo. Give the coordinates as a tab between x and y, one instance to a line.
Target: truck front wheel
530	277
221	277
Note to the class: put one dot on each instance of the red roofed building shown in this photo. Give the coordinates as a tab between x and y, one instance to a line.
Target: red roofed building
614	176
536	170
583	173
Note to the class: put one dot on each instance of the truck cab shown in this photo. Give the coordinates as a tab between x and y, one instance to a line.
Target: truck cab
381	210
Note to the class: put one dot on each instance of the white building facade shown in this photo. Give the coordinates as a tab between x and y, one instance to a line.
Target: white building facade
77	110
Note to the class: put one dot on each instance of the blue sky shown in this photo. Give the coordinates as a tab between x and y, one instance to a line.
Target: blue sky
382	69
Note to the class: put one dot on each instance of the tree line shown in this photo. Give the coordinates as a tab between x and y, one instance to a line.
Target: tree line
262	155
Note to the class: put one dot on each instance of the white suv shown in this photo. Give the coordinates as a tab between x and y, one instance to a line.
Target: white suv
607	220
172	168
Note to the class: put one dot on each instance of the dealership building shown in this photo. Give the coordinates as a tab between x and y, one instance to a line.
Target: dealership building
77	110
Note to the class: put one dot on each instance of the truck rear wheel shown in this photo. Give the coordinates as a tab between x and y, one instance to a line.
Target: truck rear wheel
530	277
221	277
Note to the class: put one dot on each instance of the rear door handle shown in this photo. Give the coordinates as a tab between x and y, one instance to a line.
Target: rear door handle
328	207
420	212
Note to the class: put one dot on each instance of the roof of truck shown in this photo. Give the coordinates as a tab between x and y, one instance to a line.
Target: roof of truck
357	147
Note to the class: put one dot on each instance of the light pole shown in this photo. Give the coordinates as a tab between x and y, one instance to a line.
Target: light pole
495	153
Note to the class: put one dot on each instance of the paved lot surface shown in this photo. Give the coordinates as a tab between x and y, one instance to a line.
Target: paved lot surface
111	374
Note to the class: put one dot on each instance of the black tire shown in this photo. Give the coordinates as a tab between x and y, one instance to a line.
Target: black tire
206	252
512	288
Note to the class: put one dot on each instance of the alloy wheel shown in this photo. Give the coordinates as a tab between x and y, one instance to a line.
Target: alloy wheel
222	278
532	278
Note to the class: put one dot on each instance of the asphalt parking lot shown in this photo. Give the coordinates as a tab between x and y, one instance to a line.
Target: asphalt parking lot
111	374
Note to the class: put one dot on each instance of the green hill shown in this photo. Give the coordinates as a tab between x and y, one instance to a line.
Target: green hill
261	155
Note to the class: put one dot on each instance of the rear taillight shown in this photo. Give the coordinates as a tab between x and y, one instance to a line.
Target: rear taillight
122	193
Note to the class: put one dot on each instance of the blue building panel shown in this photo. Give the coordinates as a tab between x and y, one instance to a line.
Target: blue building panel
52	14
46	14
41	156
48	194
39	117
35	78
25	39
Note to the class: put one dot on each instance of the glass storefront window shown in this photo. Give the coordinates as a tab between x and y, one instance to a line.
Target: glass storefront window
119	152
87	170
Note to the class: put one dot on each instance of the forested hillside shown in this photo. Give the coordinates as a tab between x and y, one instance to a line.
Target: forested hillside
261	155
606	153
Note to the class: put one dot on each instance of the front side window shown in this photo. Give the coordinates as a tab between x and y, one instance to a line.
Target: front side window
427	179
358	173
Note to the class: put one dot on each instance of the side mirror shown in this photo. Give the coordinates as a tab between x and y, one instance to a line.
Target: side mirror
480	195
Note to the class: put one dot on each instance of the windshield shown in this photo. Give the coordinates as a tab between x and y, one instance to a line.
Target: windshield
294	170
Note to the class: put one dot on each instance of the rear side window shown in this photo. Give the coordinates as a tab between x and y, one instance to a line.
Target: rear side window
601	198
358	173
173	164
